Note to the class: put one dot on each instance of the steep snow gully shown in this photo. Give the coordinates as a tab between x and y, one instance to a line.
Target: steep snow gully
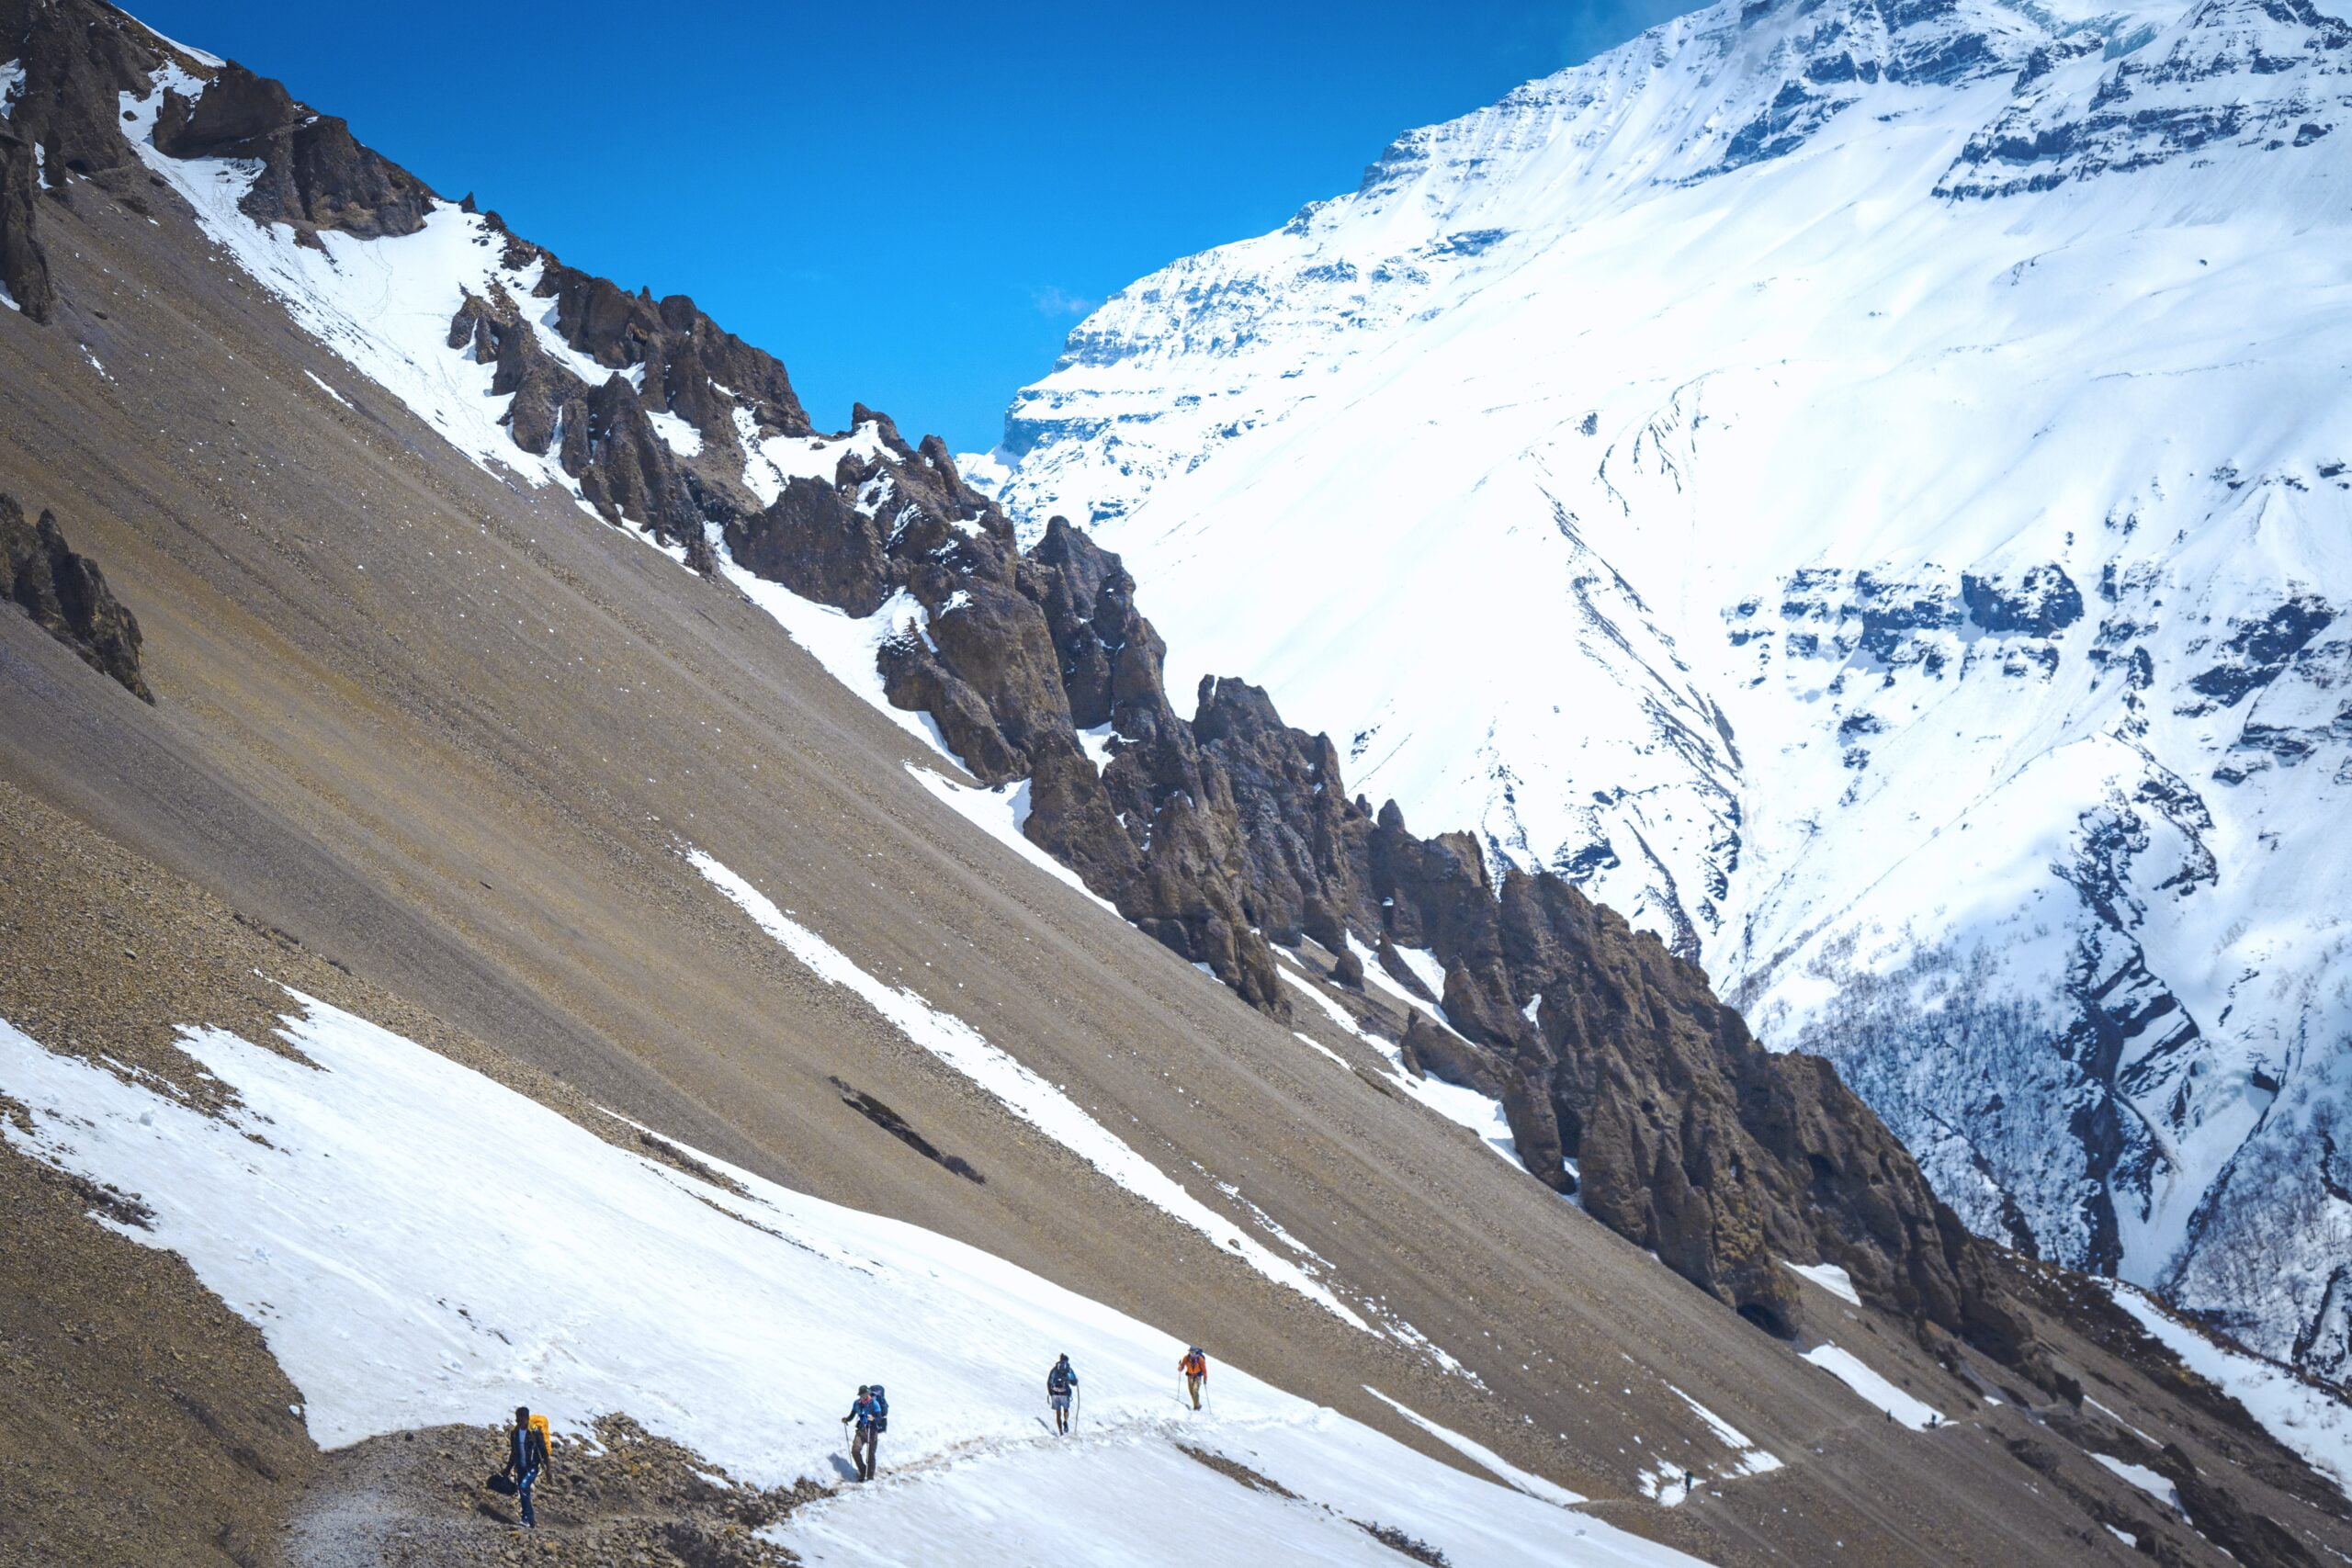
1863	489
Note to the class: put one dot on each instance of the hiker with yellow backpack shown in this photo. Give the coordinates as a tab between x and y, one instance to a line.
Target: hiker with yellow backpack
527	1455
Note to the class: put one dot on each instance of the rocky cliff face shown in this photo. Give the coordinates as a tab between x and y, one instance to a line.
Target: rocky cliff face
67	596
1217	833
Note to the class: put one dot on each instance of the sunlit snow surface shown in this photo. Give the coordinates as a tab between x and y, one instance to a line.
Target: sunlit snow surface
1929	607
1873	1390
420	1245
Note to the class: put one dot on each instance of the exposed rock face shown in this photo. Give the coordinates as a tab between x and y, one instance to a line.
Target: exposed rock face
68	596
24	265
76	60
315	175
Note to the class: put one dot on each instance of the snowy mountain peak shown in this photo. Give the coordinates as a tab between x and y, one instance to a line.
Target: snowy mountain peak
1861	489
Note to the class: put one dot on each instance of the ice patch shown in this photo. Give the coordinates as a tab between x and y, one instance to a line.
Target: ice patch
1020	1090
330	392
12	85
1873	1390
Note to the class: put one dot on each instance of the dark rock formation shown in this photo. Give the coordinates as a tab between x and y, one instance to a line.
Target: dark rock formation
68	596
314	174
77	61
24	265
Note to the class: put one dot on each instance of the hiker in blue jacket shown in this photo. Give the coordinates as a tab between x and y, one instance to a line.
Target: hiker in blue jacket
526	1457
871	1414
1060	1383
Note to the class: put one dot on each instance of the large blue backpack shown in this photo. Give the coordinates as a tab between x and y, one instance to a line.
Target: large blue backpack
881	1409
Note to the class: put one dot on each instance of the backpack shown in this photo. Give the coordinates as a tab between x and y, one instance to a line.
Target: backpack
1058	1381
881	1409
547	1436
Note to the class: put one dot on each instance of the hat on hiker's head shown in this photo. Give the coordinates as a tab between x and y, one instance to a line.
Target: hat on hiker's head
862	1388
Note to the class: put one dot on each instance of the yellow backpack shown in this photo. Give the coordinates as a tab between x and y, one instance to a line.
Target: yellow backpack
539	1425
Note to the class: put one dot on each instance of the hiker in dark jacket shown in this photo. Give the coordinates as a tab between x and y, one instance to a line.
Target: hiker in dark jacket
1060	1383
526	1457
872	1415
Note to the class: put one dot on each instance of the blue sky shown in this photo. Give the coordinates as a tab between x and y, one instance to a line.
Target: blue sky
910	204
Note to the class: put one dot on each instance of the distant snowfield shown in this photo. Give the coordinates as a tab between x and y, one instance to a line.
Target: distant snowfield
420	1245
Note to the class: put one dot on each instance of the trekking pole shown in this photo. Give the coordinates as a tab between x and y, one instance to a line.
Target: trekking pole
1077	1404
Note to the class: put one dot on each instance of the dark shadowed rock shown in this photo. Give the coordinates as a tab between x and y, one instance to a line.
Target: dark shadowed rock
68	596
24	265
314	172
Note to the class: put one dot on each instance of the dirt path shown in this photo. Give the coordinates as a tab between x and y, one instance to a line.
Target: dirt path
416	1500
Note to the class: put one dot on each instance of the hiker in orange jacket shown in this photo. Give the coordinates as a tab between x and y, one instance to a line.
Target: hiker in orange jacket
1196	1368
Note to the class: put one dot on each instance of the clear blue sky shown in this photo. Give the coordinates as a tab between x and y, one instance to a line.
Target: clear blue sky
910	204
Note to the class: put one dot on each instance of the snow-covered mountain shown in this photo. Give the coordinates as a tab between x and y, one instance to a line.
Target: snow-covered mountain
1863	489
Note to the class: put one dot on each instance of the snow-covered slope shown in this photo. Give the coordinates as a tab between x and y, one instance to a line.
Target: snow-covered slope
344	1207
1864	488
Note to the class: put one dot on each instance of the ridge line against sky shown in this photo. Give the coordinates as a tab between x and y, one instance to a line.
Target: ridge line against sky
910	208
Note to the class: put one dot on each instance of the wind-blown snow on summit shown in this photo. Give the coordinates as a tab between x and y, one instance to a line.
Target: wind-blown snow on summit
1863	489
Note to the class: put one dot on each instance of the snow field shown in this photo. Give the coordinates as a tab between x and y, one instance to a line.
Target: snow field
420	1245
1873	1390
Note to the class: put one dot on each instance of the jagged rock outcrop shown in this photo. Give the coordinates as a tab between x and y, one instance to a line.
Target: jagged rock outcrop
314	172
24	264
68	596
77	61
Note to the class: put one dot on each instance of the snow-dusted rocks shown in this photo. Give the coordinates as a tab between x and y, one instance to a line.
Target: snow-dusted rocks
1861	489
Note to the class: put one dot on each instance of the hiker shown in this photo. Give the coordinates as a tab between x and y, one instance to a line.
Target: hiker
526	1457
1060	1383
871	1414
1196	1368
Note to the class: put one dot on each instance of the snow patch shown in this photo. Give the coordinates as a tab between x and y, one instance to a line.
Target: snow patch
2307	1418
1829	1277
1873	1390
340	1211
330	392
2146	1479
998	813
